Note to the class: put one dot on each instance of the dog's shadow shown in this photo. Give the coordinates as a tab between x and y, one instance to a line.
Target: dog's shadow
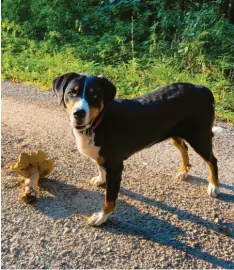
66	200
148	227
131	222
61	200
194	180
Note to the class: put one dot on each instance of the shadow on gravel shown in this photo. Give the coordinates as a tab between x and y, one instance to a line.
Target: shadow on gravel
133	222
157	231
181	214
65	200
222	196
200	181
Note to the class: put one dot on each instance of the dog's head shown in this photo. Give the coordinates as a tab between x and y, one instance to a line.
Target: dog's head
83	96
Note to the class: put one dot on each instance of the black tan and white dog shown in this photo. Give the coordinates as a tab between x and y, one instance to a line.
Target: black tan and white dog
109	130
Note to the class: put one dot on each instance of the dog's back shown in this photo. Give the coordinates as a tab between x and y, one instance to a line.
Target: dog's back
180	109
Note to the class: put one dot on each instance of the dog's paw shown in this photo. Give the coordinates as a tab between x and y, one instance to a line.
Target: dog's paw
98	219
182	176
97	181
213	190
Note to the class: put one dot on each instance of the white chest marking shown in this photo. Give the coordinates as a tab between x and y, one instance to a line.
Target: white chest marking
86	145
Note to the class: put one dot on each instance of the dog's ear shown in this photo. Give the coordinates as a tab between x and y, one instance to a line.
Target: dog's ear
109	89
60	84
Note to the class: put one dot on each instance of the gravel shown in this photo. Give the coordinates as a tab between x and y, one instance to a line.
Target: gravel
159	222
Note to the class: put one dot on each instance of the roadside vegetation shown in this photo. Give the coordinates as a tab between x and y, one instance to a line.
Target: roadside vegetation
139	45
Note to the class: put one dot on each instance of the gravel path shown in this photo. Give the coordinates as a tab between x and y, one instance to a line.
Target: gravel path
159	222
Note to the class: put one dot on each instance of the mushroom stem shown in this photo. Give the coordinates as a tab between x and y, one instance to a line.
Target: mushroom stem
31	185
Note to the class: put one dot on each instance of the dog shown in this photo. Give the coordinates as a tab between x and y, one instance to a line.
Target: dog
110	130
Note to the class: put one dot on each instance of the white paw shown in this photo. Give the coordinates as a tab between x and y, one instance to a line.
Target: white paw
97	181
98	218
182	176
213	190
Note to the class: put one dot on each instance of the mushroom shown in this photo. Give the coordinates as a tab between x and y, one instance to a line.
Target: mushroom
32	166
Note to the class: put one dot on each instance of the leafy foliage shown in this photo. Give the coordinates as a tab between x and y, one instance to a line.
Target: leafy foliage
138	44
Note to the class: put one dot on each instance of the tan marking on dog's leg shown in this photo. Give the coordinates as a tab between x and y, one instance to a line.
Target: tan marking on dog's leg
109	207
185	165
213	187
100	217
101	178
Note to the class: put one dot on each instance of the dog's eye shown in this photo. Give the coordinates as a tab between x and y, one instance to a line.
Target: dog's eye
72	93
93	93
94	96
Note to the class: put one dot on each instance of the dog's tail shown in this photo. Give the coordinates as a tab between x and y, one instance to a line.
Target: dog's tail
217	130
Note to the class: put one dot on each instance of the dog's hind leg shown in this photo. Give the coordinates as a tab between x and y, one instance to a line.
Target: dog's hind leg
185	165
202	144
213	188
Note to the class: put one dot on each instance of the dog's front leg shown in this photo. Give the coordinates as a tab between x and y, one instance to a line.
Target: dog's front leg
113	179
101	178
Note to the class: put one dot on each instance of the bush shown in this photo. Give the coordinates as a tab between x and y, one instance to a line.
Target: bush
138	44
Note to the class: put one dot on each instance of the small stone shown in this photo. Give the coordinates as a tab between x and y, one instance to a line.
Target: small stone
216	220
64	253
75	230
96	236
197	245
66	230
42	240
15	251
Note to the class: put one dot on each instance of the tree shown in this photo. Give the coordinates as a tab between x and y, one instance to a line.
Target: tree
231	13
224	8
24	10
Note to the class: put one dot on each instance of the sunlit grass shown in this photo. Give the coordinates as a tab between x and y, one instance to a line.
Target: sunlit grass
31	62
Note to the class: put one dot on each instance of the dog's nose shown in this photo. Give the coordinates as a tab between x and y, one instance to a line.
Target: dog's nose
80	114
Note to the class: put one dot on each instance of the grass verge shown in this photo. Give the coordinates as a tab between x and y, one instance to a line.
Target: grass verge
134	78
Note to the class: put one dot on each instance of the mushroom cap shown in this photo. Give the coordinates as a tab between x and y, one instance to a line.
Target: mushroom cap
36	159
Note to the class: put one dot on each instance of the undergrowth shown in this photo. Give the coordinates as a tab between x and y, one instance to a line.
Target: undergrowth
134	67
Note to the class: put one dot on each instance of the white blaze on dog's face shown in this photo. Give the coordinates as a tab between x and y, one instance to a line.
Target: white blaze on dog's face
80	107
84	100
77	104
83	96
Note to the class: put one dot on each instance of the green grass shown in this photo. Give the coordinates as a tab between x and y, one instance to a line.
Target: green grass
132	79
35	63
